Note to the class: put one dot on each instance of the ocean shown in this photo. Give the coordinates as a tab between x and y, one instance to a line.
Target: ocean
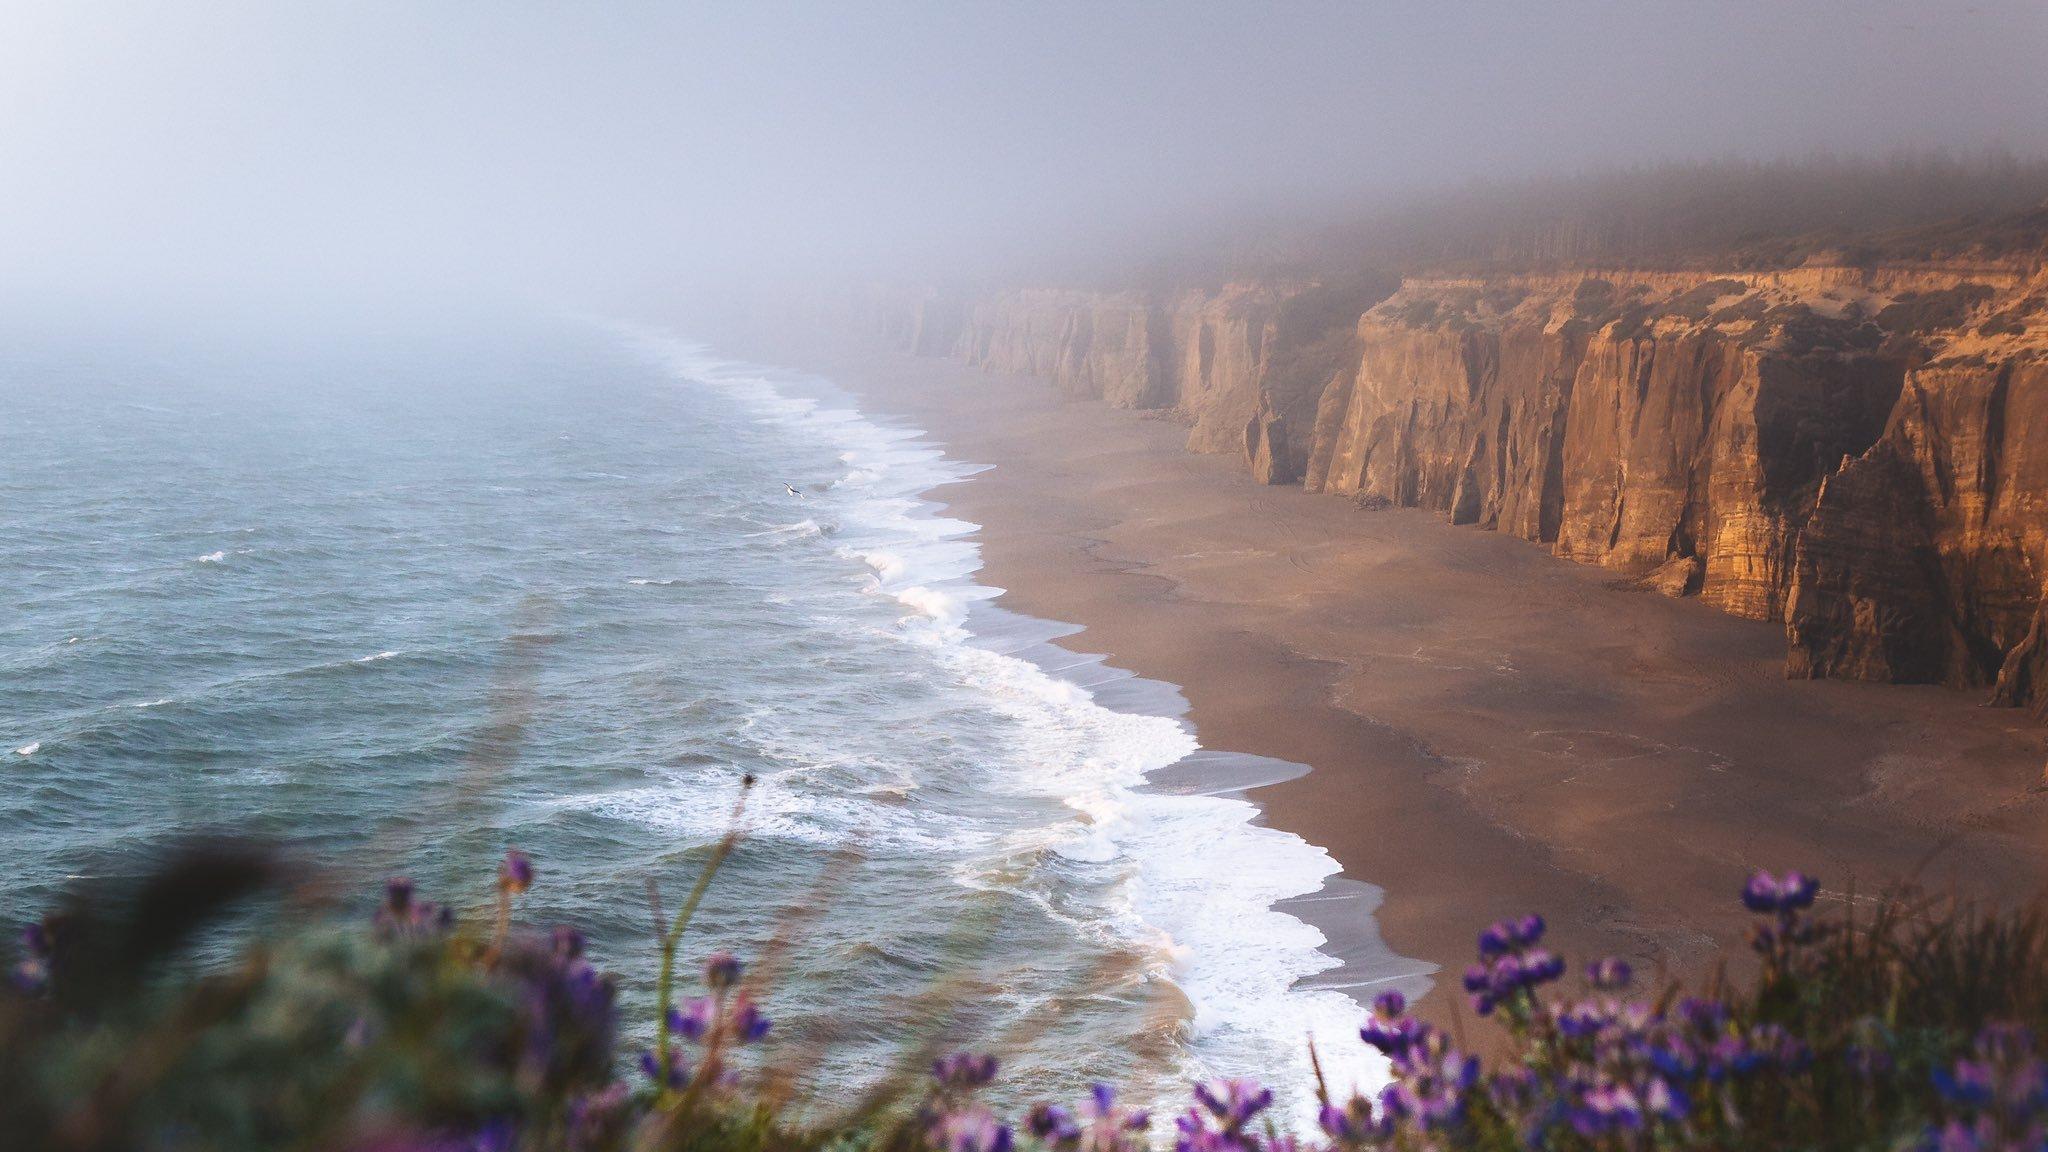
404	600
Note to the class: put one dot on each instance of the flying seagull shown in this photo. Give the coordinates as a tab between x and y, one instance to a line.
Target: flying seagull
792	490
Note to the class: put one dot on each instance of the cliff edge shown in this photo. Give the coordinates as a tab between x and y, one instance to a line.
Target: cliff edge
1857	451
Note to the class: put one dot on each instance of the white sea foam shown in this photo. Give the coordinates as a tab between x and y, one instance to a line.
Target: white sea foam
213	558
801	529
29	749
376	656
1191	877
151	703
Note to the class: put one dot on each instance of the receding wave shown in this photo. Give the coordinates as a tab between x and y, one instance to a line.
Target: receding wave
1188	879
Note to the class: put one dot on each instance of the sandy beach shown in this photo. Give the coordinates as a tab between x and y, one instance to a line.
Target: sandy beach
1490	730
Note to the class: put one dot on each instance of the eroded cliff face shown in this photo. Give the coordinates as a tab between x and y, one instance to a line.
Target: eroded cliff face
1242	366
1860	453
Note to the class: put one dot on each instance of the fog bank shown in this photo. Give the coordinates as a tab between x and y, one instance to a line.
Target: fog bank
587	154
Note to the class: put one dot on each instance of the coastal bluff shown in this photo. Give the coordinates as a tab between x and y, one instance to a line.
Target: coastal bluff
1857	451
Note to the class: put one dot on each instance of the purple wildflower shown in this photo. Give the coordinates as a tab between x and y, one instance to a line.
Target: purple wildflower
1396	1038
1609	974
678	1069
2000	1092
1432	1093
1606	1108
721	971
748	1022
1234	1101
964	1070
515	875
737	1019
1354	1125
1767	893
569	943
404	916
1109	1128
969	1130
31	975
694	1019
1053	1125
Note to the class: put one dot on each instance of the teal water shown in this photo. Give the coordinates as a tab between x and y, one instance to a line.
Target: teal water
404	600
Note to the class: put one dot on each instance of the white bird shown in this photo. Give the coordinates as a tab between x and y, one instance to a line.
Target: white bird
792	490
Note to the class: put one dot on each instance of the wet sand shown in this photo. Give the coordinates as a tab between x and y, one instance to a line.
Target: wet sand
1490	730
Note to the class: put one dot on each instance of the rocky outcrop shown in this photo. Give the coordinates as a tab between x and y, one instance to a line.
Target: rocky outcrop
1858	453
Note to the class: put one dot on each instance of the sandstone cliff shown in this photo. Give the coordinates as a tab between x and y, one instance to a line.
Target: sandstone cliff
1860	453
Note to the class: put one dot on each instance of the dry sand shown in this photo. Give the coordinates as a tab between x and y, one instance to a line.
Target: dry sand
1490	730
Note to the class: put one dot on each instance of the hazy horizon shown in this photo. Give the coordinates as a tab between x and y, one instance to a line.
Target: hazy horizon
595	155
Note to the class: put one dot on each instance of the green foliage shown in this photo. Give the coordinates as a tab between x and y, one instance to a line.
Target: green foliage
1894	1023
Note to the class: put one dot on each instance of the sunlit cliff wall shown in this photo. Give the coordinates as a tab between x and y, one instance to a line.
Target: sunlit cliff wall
1860	453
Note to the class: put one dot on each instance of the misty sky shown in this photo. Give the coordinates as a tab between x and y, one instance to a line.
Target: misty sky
578	147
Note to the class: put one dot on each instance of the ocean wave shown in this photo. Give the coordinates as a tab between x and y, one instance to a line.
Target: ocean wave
1190	878
802	529
374	657
29	749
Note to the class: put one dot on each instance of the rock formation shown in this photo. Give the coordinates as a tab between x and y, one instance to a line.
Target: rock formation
1860	453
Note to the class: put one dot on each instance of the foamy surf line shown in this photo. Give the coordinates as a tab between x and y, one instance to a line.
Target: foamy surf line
1205	880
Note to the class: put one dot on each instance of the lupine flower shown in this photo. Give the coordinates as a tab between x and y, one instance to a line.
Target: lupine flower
515	875
1107	1128
1514	1090
1432	1093
1225	1108
2000	1093
1609	974
1234	1101
737	1019
1665	1101
1102	1108
1101	1126
721	971
31	975
1053	1125
969	1130
1354	1124
693	1020
403	916
1767	893
1510	936
678	1069
748	1022
569	943
964	1070
1607	1108
1510	964
1389	1031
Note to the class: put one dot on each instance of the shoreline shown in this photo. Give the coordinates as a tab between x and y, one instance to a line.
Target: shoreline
1489	730
1250	975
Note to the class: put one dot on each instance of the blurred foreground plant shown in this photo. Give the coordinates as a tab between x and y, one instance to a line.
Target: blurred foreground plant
1915	1029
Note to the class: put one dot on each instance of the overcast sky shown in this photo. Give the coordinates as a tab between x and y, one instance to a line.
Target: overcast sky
573	147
